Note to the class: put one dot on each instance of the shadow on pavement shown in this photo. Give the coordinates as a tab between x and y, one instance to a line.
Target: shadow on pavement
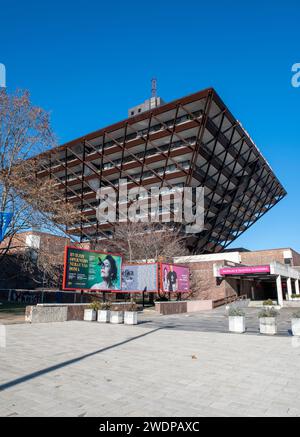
41	372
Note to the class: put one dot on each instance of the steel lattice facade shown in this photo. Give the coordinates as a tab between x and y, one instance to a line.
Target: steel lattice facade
193	141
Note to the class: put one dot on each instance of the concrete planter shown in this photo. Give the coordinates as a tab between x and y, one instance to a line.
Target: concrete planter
130	317
116	317
267	325
103	316
90	315
295	298
237	324
296	327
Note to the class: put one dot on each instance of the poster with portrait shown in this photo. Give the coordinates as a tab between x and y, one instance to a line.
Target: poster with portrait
91	270
139	277
174	278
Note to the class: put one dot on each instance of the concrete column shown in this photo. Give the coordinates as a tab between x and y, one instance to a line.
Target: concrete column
252	292
297	286
289	287
279	290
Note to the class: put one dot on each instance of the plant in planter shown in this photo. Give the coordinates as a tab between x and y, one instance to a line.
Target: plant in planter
104	312
267	321
116	315
130	314
162	299
295	296
268	302
296	323
90	314
236	318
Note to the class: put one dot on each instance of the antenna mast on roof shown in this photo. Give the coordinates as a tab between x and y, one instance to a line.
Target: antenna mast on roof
149	104
153	87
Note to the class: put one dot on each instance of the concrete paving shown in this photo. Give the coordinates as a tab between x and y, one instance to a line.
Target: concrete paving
215	321
164	367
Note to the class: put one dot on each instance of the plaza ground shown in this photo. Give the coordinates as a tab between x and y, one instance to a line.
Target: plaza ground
183	365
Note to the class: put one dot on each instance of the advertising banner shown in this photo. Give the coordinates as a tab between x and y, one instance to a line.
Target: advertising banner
175	278
91	270
139	278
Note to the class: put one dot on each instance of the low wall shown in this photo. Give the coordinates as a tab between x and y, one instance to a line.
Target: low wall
199	305
243	303
291	303
40	314
193	306
75	312
171	307
190	306
45	313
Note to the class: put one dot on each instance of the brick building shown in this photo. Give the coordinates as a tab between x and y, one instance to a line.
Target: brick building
14	272
284	256
258	275
37	240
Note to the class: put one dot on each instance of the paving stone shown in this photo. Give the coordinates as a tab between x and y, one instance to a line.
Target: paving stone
89	369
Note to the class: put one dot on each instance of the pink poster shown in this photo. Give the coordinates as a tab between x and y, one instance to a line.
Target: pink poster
175	279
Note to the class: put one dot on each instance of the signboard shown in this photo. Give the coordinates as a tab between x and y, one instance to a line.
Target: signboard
244	270
175	278
140	277
5	219
91	270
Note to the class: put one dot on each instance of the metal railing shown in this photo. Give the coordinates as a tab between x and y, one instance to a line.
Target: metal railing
229	299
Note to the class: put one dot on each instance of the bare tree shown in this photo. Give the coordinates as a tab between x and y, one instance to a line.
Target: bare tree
147	241
44	267
25	133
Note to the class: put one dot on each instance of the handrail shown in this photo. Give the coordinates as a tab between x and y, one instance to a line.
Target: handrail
229	299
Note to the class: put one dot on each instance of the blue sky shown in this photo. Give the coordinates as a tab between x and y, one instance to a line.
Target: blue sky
88	61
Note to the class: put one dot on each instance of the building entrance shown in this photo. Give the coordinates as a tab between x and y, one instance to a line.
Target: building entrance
274	281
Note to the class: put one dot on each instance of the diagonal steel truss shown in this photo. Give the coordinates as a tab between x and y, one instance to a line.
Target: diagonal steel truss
240	186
